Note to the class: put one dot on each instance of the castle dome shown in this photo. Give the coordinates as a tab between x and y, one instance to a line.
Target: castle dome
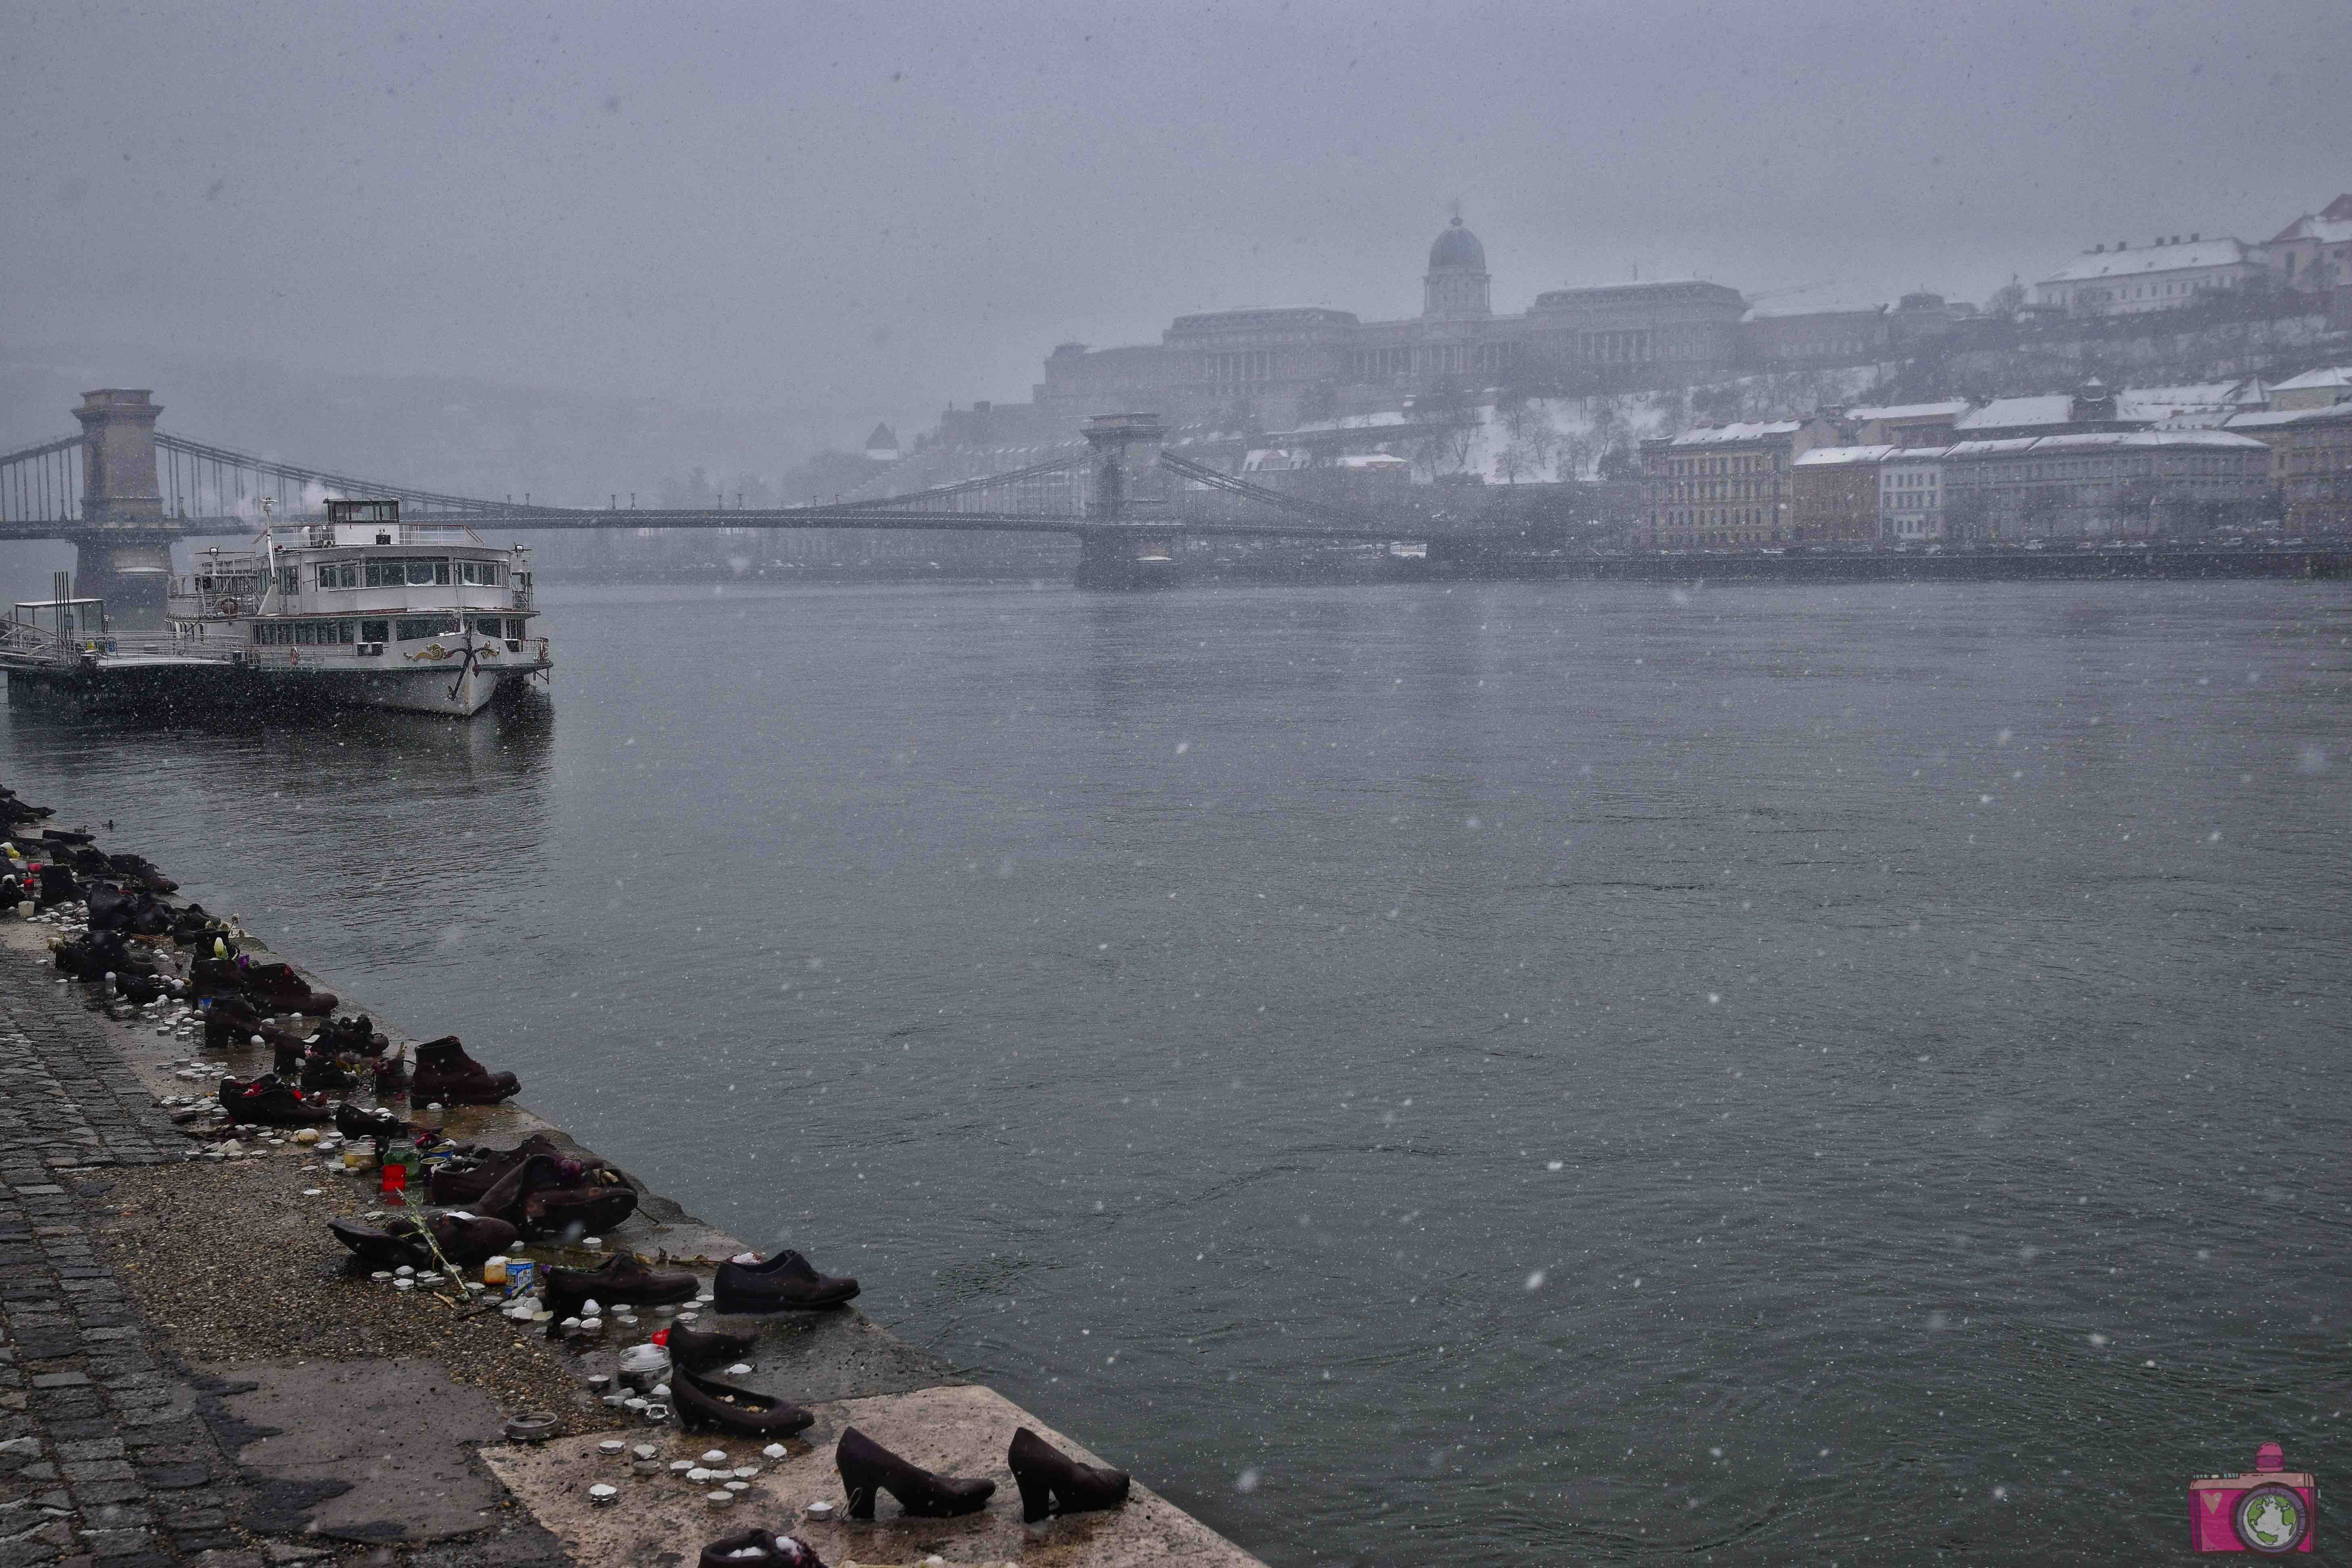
1457	248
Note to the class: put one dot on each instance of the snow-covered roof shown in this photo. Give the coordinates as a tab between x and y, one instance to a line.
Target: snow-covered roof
2204	440
2334	375
1954	407
1726	435
2327	231
1917	455
1372	460
1844	457
2275	417
2158	401
2193	255
2043	408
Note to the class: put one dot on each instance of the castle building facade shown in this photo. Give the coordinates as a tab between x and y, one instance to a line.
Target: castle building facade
1279	368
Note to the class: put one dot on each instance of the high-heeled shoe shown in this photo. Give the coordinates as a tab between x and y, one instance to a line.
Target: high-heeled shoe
698	1350
1052	1482
759	1549
866	1467
707	1403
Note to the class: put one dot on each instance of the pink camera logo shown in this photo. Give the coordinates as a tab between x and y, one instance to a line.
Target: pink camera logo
2269	1509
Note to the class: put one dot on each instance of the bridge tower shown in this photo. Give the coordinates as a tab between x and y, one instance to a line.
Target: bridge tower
1126	491
123	553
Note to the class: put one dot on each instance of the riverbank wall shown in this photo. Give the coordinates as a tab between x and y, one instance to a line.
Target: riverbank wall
325	1416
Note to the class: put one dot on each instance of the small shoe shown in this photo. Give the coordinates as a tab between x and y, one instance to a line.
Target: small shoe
759	1549
787	1282
1052	1482
354	1122
698	1350
267	1102
321	1074
866	1468
707	1403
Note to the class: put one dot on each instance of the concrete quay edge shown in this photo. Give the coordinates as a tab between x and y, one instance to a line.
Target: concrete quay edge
841	1365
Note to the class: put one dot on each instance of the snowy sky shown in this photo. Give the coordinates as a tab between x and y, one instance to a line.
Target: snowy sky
889	207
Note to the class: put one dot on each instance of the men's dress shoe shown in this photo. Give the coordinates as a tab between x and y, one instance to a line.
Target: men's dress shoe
623	1278
1052	1482
866	1467
784	1283
705	1402
355	1123
463	1239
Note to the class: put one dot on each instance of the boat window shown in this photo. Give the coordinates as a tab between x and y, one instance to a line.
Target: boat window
343	574
420	573
384	575
411	628
515	626
481	573
376	631
289	579
488	626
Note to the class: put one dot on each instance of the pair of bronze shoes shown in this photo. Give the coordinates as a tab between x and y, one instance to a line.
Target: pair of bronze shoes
1051	1481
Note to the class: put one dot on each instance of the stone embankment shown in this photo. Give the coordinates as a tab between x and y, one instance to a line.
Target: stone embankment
194	1371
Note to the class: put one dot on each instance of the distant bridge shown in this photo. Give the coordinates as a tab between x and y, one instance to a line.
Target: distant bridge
122	492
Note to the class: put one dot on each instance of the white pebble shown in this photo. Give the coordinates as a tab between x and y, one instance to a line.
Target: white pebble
774	1451
720	1499
739	1369
611	1446
715	1457
599	1494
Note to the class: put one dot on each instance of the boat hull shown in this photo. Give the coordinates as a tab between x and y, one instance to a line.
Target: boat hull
454	694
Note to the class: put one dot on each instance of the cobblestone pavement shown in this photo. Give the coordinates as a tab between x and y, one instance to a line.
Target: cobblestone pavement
107	1458
103	1457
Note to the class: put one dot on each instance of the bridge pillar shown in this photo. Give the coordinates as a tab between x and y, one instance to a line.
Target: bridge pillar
123	553
1126	493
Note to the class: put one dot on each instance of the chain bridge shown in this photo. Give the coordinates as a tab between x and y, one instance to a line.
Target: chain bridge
124	491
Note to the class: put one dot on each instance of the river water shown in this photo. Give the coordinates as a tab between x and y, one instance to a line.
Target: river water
1498	1073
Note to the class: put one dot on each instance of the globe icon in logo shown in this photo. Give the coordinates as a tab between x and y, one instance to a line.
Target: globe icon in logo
2270	1519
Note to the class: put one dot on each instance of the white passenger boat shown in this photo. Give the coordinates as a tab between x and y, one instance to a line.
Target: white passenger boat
362	610
365	610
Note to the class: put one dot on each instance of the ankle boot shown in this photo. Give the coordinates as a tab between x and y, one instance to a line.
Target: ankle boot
866	1467
1052	1482
759	1549
705	1402
446	1074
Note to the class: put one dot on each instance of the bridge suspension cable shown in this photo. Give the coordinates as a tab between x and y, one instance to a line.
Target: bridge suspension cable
1329	516
42	483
